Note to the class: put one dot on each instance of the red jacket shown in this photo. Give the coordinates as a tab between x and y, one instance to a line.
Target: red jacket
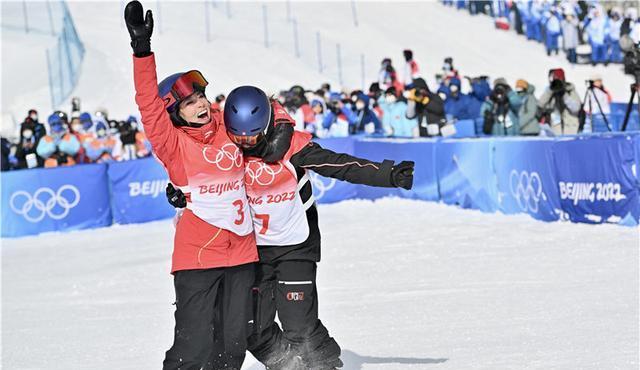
216	228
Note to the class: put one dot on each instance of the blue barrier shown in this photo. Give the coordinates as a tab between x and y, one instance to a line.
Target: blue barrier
525	178
40	200
139	185
600	184
422	152
591	179
465	174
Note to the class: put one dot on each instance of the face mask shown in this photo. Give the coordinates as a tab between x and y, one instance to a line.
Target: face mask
453	88
359	105
101	133
77	127
390	99
134	126
27	134
446	67
34	117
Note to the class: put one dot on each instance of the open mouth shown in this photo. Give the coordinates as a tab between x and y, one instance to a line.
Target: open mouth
204	114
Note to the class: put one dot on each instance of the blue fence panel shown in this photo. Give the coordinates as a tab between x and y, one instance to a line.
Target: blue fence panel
327	190
57	199
138	191
597	178
465	174
525	178
425	182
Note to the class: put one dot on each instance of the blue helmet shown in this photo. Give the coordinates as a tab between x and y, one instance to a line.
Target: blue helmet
247	112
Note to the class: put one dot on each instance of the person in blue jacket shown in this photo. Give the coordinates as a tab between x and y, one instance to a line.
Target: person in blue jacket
338	118
553	31
597	30
366	119
394	117
458	105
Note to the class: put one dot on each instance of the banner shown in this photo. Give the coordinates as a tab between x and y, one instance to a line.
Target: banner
327	190
422	152
138	191
35	201
525	178
465	173
597	178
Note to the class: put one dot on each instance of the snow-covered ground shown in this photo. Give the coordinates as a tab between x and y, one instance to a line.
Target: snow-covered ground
403	285
235	53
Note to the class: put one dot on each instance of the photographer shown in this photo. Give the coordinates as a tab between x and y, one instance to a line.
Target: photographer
597	102
500	111
559	105
425	106
458	105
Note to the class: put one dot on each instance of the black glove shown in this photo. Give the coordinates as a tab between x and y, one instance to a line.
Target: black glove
402	175
140	29
176	197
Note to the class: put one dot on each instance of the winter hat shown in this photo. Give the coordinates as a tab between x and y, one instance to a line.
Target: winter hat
418	83
54	119
315	102
391	91
556	74
522	84
500	81
85	119
454	81
595	77
101	126
132	119
408	54
386	61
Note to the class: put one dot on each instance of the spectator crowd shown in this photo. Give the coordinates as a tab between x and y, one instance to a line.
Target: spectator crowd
403	105
84	138
584	29
396	105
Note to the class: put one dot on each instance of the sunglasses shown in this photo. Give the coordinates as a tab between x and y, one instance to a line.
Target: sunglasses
184	86
246	141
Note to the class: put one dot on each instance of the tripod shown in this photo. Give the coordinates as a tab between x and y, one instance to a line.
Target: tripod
634	92
595	97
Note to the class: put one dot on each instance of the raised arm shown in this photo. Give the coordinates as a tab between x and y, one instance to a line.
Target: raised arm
158	127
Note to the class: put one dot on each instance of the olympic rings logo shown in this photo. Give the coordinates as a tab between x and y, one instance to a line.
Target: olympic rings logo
527	189
225	159
319	185
258	172
45	201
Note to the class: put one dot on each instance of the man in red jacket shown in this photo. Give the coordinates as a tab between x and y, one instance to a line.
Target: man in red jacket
214	246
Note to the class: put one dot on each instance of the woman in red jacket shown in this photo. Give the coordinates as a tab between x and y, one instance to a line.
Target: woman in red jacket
214	247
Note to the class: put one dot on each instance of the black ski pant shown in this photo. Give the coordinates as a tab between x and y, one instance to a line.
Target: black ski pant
213	311
289	288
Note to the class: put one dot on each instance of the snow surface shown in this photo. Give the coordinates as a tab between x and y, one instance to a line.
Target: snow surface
235	53
403	284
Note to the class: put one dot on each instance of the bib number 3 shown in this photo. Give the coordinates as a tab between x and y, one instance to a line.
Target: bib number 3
238	203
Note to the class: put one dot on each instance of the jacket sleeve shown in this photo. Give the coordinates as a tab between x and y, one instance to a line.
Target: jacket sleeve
572	101
343	166
161	133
